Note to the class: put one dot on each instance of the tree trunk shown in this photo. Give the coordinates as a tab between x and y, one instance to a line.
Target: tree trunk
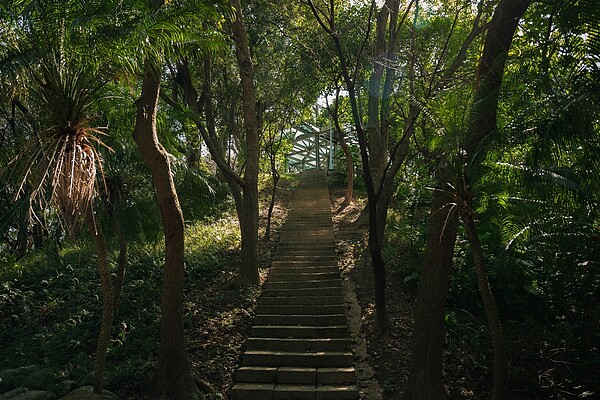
377	261
173	378
335	116
398	156
249	252
275	175
377	143
490	72
491	311
349	169
108	307
425	371
482	128
425	375
121	260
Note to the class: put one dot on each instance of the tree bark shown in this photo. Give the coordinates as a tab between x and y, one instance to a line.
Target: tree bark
121	260
275	176
249	252
425	371
491	310
335	116
349	193
173	378
108	306
489	75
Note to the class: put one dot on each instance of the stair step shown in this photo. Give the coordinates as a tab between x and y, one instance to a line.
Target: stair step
301	300
247	391
304	263
302	284
297	375
285	240
252	391
255	374
306	268
321	291
345	392
302	309
295	392
314	276
289	245
297	359
320	375
313	332
299	319
311	259
336	376
298	345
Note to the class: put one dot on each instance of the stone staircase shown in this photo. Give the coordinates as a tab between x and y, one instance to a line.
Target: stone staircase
300	346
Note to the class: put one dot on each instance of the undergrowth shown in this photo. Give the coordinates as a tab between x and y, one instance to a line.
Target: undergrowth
50	308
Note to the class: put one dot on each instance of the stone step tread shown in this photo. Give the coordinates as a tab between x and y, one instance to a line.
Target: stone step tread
271	391
302	300
304	276
298	345
314	259
302	284
306	252
312	332
303	309
305	268
300	319
309	279
304	263
330	244
297	359
335	290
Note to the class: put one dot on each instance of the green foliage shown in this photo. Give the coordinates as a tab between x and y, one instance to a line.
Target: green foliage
49	314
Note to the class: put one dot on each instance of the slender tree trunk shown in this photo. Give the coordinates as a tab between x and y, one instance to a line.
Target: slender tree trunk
275	175
377	143
335	116
173	378
349	170
491	310
121	260
377	261
425	371
108	307
238	198
386	190
249	252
